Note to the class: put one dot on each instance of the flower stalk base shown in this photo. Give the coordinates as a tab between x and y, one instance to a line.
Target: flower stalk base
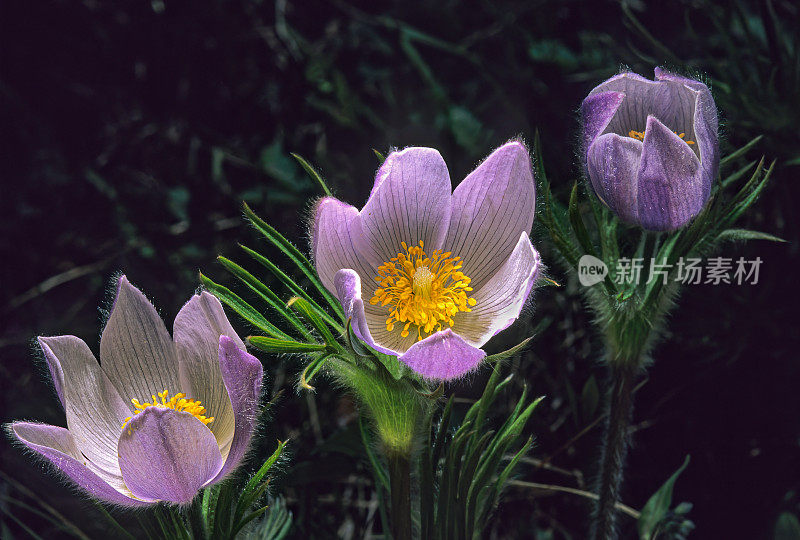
400	482
615	444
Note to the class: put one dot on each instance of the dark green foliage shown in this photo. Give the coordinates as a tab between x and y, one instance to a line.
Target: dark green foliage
657	520
464	471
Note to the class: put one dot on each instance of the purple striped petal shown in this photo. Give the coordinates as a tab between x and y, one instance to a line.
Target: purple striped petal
613	163
706	127
670	192
410	202
679	104
136	351
670	101
597	110
368	321
94	409
57	445
491	207
442	356
197	330
635	106
336	227
500	301
167	455
243	374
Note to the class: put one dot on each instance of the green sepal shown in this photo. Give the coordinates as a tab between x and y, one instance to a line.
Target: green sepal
314	317
436	394
313	174
253	490
549	214
245	310
741	235
278	346
519	347
276	524
657	506
253	483
311	369
265	293
295	255
391	363
291	285
746	197
739	152
737	175
578	226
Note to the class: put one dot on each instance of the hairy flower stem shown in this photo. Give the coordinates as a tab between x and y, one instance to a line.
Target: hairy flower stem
400	481
614	448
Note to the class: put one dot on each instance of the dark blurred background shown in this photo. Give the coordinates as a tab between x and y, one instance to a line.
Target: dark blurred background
132	131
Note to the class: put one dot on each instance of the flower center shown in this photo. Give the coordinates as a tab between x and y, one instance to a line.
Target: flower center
421	290
177	402
639	136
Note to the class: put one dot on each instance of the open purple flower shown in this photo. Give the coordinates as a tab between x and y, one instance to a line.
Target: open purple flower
651	147
428	275
161	417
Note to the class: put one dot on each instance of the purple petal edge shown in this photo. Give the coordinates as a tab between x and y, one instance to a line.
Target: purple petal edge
670	188
243	374
442	356
167	455
597	110
57	446
348	289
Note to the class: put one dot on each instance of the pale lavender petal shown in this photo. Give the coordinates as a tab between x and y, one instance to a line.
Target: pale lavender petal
491	207
57	445
197	330
500	301
335	229
94	409
167	455
626	82
243	374
612	163
442	356
597	110
368	321
671	102
136	350
410	202
706	127
637	104
670	189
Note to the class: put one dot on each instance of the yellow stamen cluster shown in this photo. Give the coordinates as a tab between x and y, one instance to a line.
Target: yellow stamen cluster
177	402
639	136
421	290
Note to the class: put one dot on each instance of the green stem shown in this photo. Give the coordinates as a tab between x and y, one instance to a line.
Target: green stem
614	448
400	482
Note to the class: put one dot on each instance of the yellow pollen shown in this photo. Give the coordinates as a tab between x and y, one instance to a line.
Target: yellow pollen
639	136
177	402
422	291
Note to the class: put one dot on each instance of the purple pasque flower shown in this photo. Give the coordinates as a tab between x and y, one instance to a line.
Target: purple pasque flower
428	275
651	147
162	416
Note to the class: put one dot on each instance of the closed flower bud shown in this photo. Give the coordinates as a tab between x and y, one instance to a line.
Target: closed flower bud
651	148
